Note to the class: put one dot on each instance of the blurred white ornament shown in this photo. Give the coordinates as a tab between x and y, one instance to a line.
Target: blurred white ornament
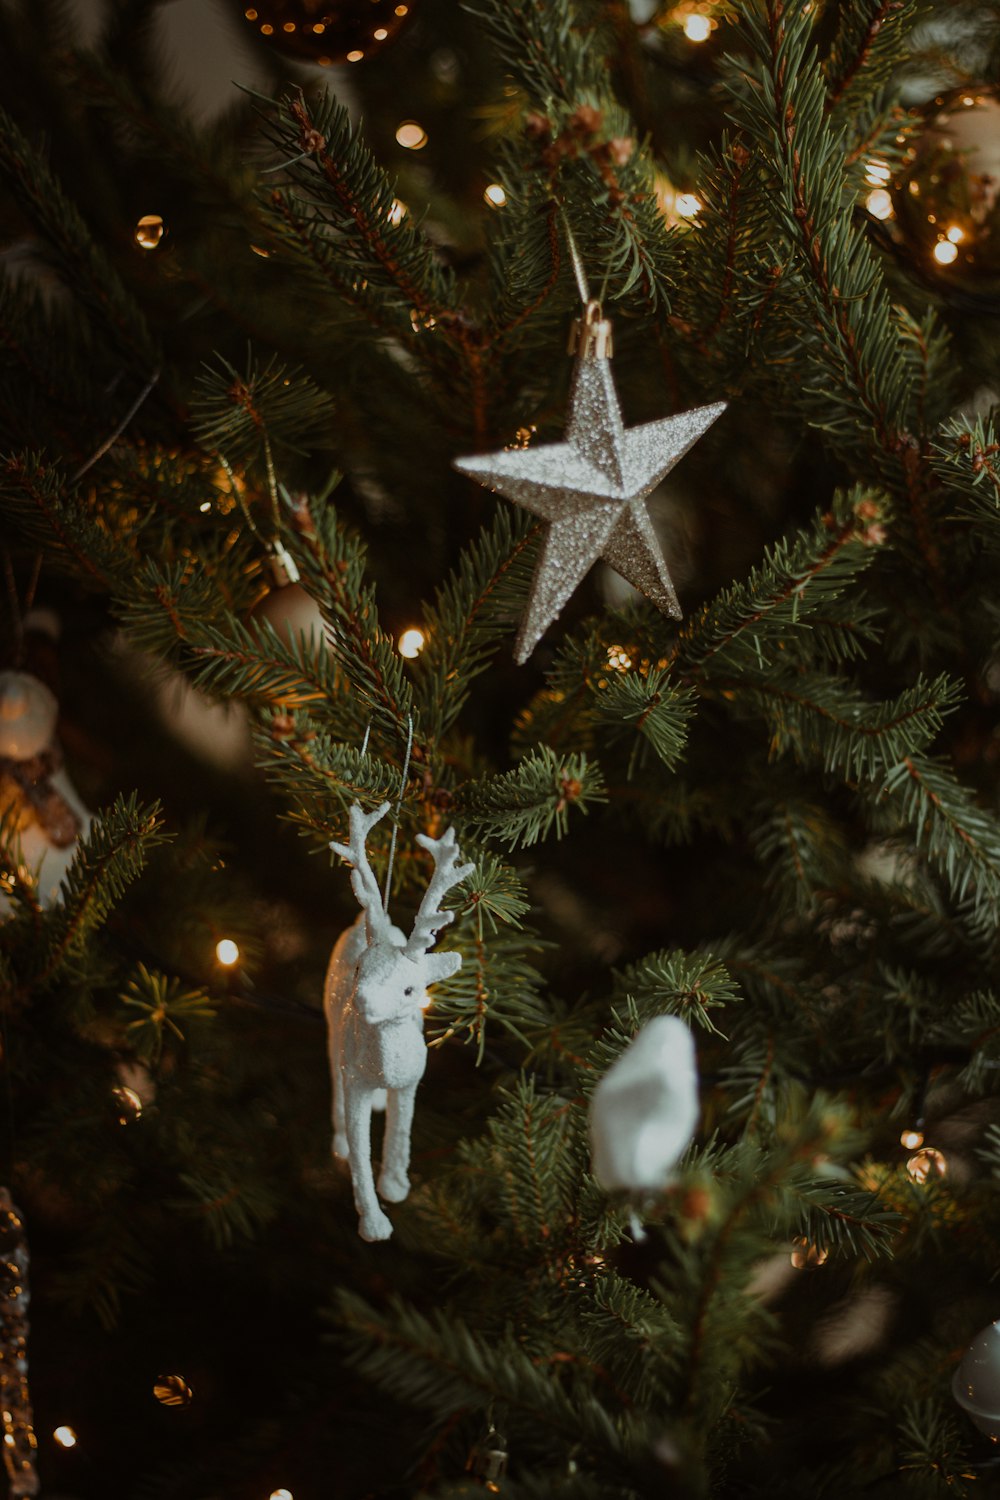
644	1110
976	1383
36	794
288	609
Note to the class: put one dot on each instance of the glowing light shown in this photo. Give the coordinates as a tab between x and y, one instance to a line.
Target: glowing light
318	28
410	135
926	1164
380	35
259	250
149	231
915	189
955	233
227	952
877	173
806	1257
354	56
911	1139
495	195
266	30
398	211
968	101
687	205
412	642
945	252
251	15
619	659
130	1103
697	28
879	203
402	10
280	1495
65	1437
172	1390
288	26
205	507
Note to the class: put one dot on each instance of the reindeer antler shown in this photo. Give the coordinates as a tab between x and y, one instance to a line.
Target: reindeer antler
429	919
363	881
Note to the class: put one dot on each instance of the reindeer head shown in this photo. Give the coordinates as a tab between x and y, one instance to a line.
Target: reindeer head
394	970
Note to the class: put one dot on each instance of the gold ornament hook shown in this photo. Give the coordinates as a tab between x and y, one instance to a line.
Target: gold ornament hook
590	336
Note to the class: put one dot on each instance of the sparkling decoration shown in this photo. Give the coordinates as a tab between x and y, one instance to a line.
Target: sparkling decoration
19	1442
374	998
328	31
976	1383
149	231
592	487
946	196
644	1111
927	1164
36	796
172	1390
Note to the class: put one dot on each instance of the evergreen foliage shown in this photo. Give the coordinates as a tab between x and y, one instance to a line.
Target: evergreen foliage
776	819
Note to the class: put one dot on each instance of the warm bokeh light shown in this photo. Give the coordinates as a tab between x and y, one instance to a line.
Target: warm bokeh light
619	659
911	1139
172	1390
227	952
412	642
398	211
65	1437
697	28
879	203
354	56
877	173
687	205
280	1495
411	135
495	195
926	1164
806	1257
131	1104
149	231
955	233
945	252
380	34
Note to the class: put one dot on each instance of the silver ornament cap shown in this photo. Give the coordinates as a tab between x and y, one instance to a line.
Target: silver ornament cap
976	1383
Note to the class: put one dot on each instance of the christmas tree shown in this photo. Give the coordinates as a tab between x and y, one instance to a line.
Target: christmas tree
730	830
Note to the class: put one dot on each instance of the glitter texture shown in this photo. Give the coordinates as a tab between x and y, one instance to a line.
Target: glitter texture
592	488
19	1442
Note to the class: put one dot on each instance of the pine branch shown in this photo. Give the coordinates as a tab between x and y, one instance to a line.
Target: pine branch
872	38
526	804
85	268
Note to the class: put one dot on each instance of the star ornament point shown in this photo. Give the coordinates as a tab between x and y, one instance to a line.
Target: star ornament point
591	489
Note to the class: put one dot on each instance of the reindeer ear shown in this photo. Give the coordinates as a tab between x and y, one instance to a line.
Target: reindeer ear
438	966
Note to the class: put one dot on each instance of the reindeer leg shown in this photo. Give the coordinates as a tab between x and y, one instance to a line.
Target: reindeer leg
340	1145
394	1182
373	1224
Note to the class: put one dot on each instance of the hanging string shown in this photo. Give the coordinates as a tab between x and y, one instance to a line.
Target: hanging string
126	419
395	816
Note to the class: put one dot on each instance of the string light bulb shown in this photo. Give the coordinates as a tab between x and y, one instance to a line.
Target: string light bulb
410	135
130	1104
397	213
227	952
910	1140
945	252
149	231
687	205
807	1257
172	1390
877	173
619	659
495	196
411	642
697	27
926	1164
281	1494
65	1437
955	233
879	203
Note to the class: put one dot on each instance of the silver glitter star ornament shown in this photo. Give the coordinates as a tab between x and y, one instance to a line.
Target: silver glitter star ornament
592	487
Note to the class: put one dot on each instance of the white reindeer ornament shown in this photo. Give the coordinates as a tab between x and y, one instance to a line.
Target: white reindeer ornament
375	995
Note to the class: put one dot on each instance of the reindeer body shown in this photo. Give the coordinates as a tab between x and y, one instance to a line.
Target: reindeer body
375	994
